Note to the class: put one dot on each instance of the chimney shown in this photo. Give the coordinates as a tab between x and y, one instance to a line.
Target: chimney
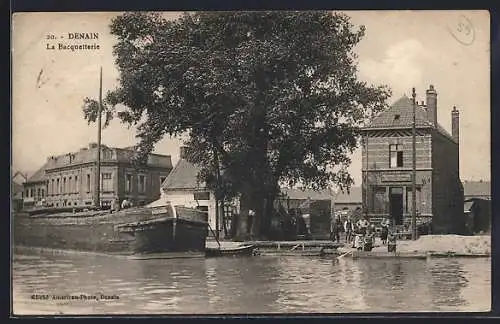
455	124
431	98
183	152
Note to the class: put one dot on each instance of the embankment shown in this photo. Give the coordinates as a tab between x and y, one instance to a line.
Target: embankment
445	244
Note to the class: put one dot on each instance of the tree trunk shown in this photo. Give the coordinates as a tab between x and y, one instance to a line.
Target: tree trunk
245	206
259	203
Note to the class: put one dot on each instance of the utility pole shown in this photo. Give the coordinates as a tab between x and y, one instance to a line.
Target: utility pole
366	176
98	167
217	192
414	174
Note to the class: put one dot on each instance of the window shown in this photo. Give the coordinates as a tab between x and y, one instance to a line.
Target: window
64	189
142	183
43	193
205	195
107	154
58	190
106	182
396	156
162	180
76	189
88	182
52	188
128	183
203	209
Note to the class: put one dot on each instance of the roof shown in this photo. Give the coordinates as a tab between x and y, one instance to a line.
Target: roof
355	195
39	175
183	176
400	115
300	194
477	188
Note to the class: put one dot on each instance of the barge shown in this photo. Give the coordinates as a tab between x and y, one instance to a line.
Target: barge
155	229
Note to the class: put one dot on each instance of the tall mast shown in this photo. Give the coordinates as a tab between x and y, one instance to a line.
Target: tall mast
98	168
217	200
414	175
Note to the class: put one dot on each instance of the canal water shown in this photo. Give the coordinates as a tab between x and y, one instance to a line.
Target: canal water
49	283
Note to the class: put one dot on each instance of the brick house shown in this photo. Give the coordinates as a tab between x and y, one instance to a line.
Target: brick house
70	178
387	167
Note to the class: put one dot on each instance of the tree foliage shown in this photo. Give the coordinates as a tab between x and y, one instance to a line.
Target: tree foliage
274	95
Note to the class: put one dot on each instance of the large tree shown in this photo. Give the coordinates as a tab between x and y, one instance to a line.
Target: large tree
269	97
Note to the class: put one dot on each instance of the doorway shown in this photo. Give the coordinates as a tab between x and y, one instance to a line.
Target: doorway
396	205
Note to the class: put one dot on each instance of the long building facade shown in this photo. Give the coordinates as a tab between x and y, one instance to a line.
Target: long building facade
387	167
70	178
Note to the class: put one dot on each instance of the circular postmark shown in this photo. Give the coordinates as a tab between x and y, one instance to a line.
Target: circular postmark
463	31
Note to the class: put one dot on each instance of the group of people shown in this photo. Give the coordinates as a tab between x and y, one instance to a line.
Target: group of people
349	227
116	206
358	232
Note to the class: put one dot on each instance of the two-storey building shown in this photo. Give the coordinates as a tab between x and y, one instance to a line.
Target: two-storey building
387	166
71	177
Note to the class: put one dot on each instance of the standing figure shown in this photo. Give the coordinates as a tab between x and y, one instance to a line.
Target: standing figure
332	227
391	242
348	228
336	228
250	220
385	230
362	225
306	215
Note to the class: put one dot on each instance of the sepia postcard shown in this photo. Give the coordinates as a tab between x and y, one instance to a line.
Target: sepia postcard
250	162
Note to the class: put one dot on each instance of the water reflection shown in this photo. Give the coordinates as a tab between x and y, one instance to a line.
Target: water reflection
447	277
249	285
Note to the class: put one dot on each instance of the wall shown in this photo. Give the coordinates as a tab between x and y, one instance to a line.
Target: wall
34	192
186	198
83	196
74	196
379	157
447	189
380	173
152	186
113	160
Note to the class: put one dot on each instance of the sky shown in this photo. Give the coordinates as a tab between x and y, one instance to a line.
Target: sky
401	49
